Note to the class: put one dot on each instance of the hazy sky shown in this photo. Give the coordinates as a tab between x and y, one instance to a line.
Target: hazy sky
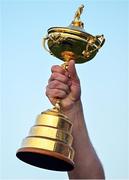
26	68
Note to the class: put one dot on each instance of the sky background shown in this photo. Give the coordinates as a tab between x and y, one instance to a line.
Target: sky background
25	68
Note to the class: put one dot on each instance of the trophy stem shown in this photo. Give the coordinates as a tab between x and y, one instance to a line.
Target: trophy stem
67	56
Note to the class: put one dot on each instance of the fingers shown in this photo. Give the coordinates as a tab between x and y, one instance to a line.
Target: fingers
58	77
58	73
57	69
55	90
58	85
55	93
72	71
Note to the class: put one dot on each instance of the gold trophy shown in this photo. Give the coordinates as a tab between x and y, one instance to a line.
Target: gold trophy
49	143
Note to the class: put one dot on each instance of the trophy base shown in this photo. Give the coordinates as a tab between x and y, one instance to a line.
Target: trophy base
45	159
49	142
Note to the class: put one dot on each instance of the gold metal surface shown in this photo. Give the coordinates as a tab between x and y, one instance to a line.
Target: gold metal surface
73	39
49	143
52	133
54	119
77	22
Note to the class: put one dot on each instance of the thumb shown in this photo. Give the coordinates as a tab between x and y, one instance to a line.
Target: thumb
72	71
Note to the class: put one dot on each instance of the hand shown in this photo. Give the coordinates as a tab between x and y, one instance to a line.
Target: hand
64	85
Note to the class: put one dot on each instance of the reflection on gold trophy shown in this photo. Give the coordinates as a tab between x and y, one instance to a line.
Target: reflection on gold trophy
49	143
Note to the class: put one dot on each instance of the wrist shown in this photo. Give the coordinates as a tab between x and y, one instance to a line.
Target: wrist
74	109
76	116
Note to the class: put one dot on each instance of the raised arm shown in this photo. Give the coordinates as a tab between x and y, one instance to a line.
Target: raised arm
66	86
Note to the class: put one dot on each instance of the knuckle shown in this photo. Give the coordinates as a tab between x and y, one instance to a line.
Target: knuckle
63	94
56	68
55	83
53	68
50	79
55	92
47	91
54	75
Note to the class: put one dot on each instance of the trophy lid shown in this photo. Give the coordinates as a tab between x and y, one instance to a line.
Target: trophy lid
73	42
76	27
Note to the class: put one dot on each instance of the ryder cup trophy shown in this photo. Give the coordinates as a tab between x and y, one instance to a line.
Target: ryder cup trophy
49	143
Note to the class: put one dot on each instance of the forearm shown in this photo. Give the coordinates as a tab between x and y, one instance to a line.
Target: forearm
66	86
87	163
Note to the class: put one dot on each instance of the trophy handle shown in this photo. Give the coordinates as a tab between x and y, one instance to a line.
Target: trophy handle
101	39
44	44
94	43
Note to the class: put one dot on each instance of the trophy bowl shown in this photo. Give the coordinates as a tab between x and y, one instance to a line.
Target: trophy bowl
82	46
